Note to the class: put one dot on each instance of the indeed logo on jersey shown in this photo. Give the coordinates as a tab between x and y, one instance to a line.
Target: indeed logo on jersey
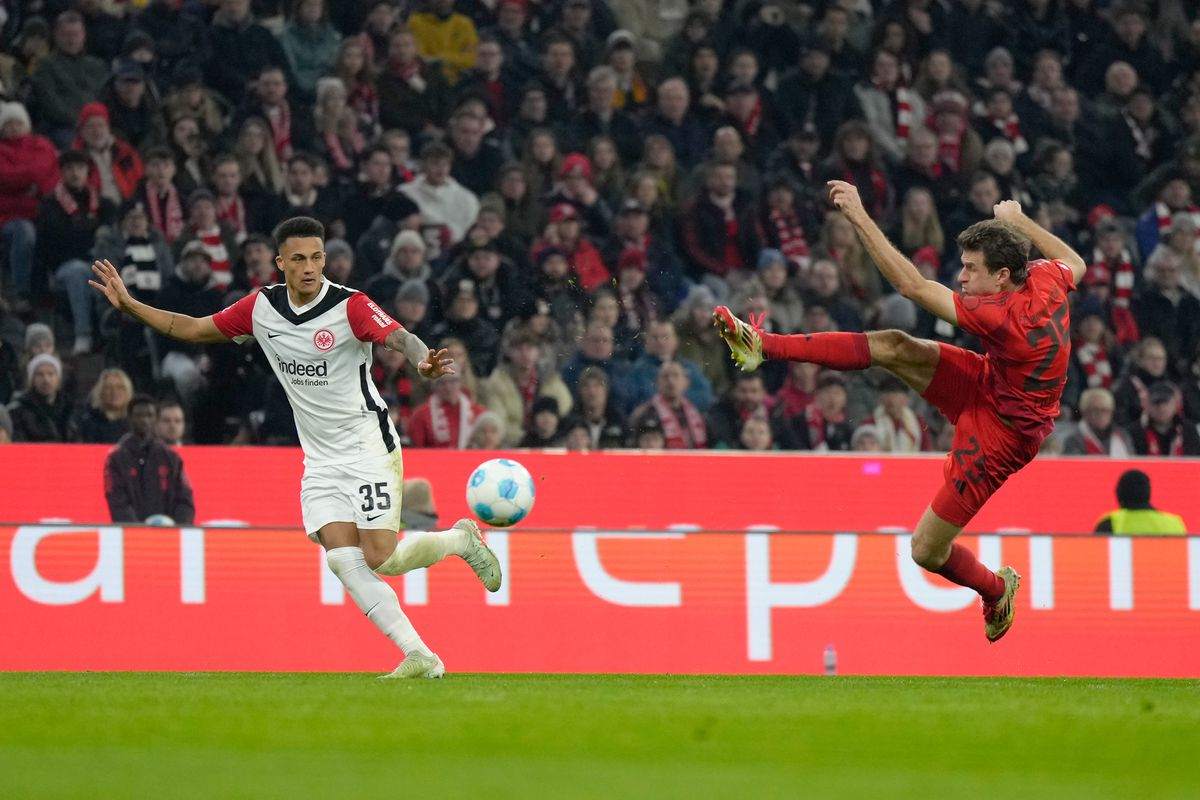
303	372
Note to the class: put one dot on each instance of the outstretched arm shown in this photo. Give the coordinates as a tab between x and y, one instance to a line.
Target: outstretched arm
1046	242
201	330
430	364
900	272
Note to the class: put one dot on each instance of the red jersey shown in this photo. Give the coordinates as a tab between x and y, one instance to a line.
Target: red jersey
1026	338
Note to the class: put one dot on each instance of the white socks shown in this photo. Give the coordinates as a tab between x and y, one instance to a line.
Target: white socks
418	550
374	598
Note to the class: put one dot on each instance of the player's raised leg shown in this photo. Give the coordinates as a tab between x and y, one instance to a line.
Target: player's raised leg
377	600
934	548
415	550
912	360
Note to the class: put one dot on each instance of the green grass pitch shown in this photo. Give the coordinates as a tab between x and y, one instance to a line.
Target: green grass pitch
129	735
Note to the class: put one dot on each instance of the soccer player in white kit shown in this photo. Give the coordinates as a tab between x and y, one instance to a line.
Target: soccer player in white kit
318	336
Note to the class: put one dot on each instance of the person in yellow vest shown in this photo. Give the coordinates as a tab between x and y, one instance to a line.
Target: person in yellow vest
444	35
1136	517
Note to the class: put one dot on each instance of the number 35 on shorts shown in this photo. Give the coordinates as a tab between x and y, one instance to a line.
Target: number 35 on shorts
375	497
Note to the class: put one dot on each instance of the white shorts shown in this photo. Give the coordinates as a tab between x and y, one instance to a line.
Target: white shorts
367	493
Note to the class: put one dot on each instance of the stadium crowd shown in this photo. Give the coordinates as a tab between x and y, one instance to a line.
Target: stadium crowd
559	191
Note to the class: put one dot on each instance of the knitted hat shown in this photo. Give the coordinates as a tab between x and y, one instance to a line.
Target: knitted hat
36	331
39	360
563	211
92	110
769	256
576	162
407	238
414	291
14	111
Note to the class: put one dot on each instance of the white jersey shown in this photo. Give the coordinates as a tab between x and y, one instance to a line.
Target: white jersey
321	353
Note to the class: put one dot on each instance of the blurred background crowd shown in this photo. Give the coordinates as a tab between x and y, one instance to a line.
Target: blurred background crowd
559	191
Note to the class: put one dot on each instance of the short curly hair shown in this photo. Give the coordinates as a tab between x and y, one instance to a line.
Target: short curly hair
1002	247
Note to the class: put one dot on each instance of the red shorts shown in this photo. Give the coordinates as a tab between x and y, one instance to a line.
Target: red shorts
985	450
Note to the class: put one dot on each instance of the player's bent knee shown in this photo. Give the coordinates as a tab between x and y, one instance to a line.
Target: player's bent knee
928	554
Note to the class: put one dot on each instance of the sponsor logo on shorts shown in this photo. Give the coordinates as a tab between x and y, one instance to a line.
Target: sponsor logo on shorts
323	340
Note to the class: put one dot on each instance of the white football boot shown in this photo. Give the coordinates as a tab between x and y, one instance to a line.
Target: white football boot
417	665
479	556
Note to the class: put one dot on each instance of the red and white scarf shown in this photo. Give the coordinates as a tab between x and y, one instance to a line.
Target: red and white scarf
1120	275
214	245
1155	444
337	151
1093	359
950	150
1164	215
1094	446
446	432
70	205
280	119
166	212
528	389
1010	126
676	437
233	211
792	242
904	113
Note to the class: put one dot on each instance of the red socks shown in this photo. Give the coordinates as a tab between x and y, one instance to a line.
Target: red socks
834	350
963	568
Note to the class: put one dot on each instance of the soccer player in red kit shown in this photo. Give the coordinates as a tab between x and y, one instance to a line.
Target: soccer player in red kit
1003	404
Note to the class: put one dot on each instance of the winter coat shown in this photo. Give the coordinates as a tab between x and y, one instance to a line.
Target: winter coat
500	393
311	51
63	84
63	236
35	420
144	477
28	170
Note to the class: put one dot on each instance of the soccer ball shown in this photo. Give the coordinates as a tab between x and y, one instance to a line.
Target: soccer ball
500	492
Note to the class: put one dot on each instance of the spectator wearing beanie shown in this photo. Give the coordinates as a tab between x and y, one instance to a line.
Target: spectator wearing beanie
43	412
116	166
574	186
67	225
67	79
28	172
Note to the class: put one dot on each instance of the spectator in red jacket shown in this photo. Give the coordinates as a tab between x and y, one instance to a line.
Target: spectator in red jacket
142	476
444	420
116	165
28	172
566	233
